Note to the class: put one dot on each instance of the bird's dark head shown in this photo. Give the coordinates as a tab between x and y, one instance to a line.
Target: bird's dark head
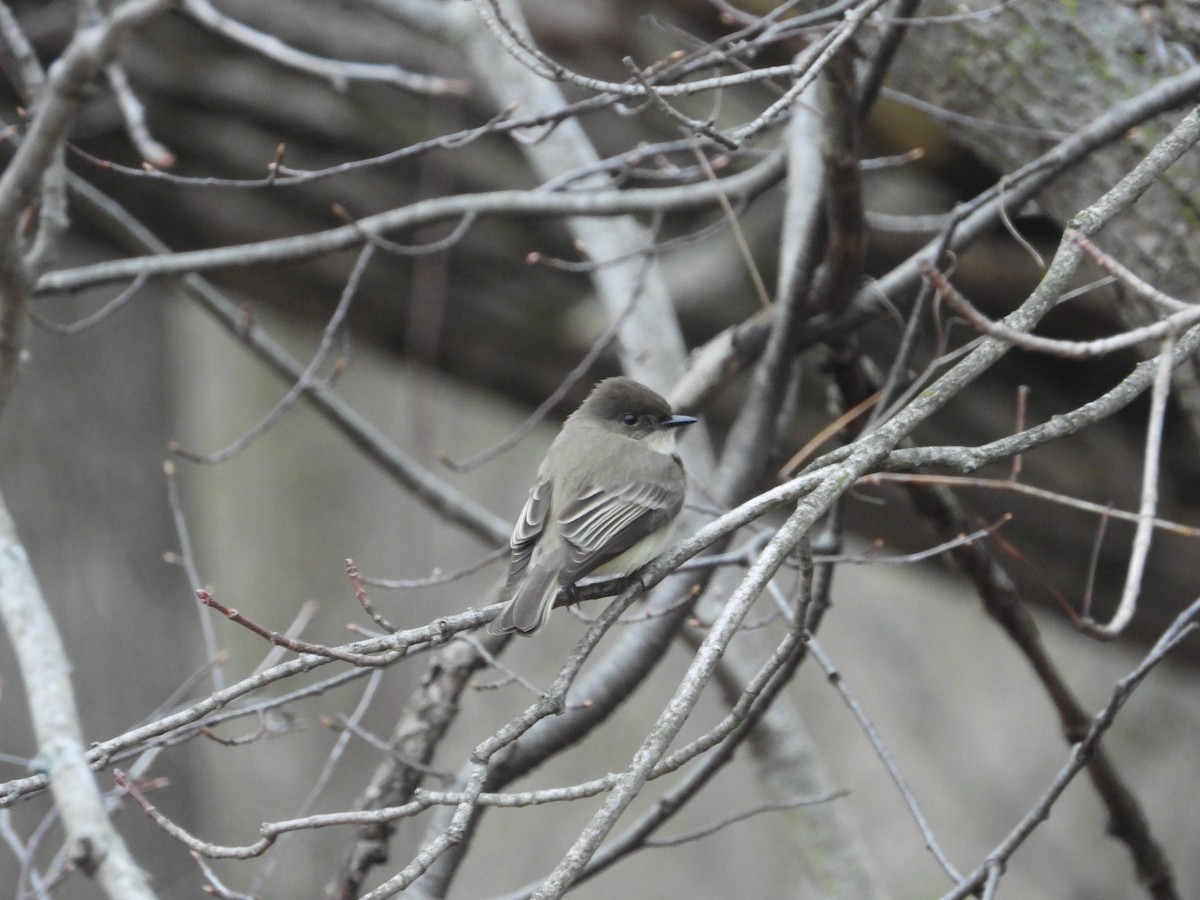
629	407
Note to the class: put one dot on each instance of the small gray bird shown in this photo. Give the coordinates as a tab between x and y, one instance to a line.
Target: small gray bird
608	489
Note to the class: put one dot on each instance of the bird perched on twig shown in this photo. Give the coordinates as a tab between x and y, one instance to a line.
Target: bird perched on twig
606	493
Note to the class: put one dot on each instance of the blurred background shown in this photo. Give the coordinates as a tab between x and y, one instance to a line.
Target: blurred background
448	353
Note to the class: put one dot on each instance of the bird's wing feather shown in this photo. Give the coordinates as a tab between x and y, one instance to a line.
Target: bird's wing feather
527	530
599	525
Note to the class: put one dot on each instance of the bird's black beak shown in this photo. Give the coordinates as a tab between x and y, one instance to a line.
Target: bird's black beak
676	421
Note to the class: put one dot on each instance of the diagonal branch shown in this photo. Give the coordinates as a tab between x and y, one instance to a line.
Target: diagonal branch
94	844
436	493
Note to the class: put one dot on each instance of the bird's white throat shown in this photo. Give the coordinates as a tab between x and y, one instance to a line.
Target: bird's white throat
661	441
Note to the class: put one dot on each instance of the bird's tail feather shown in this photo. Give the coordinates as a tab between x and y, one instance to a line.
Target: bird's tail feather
530	606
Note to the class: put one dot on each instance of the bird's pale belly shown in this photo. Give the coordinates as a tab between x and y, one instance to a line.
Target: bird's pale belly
639	554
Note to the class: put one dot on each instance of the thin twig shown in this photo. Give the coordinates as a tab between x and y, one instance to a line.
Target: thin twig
734	818
602	343
520	203
910	800
152	151
296	646
1172	324
100	315
360	594
1017	487
1082	752
187	559
1144	531
450	503
307	379
438	577
1138	285
337	72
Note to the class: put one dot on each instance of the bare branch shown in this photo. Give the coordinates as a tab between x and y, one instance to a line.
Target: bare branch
982	213
337	72
36	169
1146	509
1171	325
307	378
364	435
604	203
1082	752
1017	487
885	756
94	844
673	715
151	150
969	459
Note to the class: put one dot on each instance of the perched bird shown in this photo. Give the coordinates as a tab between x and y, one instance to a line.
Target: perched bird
606	493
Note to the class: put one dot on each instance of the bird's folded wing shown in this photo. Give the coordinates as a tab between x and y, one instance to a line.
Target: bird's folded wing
527	530
601	524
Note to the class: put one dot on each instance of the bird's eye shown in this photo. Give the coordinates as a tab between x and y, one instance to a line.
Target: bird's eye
629	418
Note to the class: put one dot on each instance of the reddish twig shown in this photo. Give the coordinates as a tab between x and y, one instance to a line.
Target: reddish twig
296	646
